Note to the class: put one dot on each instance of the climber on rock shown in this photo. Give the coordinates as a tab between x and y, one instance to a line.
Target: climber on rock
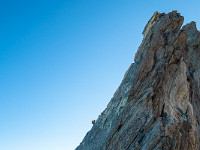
93	121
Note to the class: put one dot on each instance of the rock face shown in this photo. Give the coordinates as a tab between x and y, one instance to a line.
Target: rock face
157	105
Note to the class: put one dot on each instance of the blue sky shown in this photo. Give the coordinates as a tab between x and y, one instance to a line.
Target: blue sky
62	60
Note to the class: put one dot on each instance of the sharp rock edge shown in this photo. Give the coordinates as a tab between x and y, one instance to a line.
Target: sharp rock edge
157	105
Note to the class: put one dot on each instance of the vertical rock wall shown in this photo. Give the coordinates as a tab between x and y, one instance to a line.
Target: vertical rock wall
157	105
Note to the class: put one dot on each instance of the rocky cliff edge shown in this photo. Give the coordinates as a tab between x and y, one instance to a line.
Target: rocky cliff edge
157	105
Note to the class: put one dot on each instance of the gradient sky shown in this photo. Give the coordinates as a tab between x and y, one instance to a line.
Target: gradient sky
62	60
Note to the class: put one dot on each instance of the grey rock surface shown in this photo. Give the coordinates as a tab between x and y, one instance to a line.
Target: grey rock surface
157	105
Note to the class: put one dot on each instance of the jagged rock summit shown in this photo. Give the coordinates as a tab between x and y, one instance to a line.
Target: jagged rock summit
157	105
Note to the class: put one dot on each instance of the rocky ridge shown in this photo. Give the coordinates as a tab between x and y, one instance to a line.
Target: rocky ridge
157	105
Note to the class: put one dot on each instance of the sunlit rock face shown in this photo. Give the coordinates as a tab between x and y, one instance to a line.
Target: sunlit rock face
157	105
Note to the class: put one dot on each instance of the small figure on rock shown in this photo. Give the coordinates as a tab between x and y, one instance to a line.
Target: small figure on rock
93	121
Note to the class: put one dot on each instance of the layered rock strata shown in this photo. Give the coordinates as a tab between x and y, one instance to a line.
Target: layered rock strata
157	105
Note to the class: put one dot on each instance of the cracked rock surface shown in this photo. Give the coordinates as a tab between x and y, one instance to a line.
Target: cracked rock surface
157	105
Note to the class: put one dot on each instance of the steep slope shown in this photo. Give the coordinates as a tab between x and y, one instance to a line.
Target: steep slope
157	105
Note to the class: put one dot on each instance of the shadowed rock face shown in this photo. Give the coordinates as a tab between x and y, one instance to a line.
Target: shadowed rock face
157	105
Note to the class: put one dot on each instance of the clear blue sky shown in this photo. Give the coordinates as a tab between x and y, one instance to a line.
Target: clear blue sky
62	60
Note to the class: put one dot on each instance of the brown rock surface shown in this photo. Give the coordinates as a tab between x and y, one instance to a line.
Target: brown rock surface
157	105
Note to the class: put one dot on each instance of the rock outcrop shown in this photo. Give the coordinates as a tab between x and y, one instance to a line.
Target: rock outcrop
157	105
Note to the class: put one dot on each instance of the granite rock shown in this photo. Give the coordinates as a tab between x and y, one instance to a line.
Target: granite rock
157	105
